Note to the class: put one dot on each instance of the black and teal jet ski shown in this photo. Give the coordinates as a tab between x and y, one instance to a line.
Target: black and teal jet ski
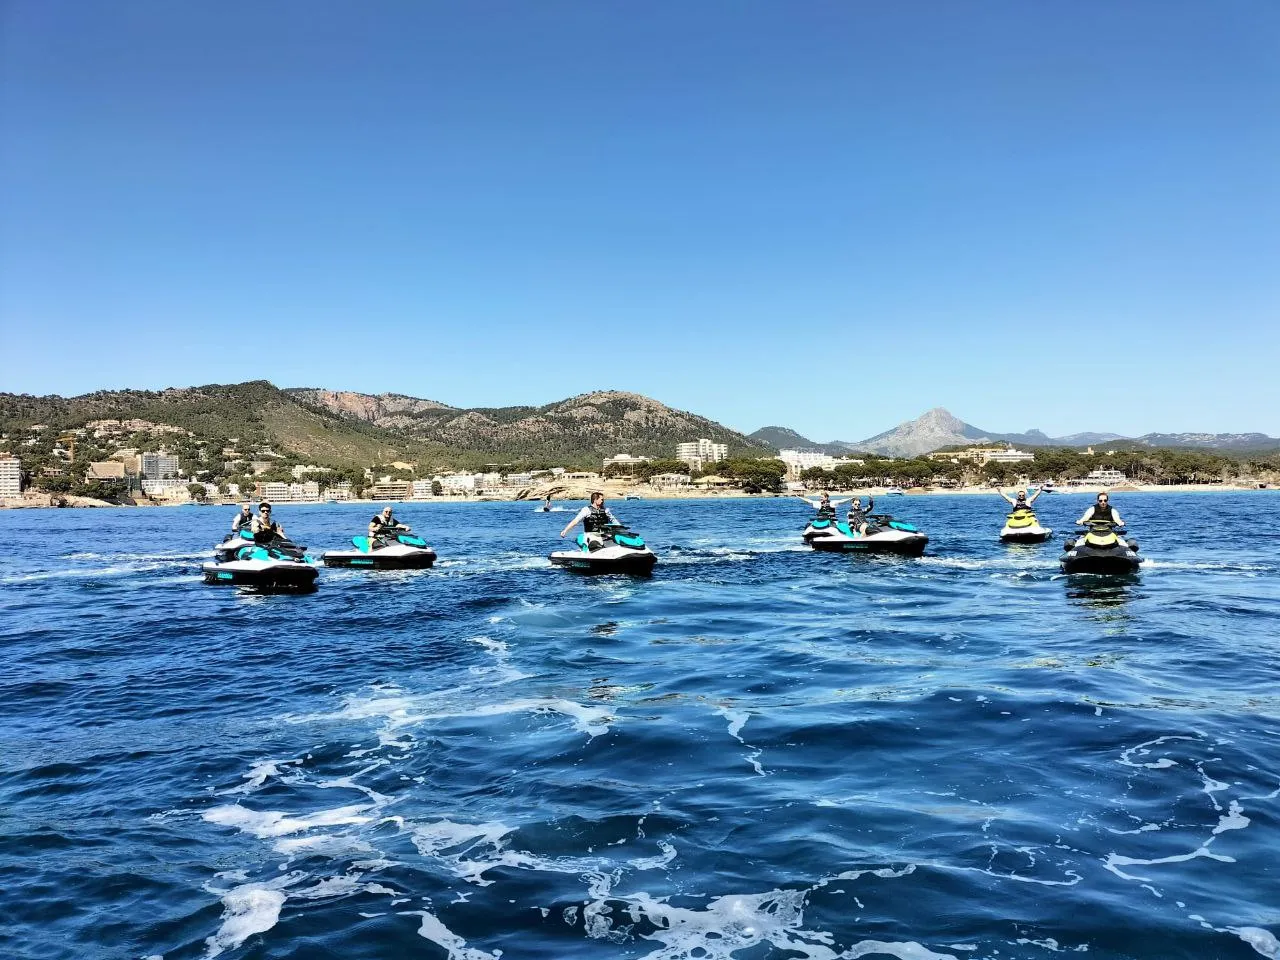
1101	550
227	549
400	550
884	535
615	549
262	567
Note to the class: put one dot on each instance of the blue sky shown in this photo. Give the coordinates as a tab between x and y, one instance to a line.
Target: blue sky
829	216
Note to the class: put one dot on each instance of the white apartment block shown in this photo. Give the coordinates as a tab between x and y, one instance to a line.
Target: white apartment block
421	489
159	466
798	460
698	452
10	477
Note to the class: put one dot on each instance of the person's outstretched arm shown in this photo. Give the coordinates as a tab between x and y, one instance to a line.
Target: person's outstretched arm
1085	517
1115	515
1005	496
581	515
1035	496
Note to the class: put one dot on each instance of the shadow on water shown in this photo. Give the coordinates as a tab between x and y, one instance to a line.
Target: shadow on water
1106	596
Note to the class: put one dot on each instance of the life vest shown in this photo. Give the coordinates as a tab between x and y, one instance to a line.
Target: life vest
1102	511
241	522
596	520
826	512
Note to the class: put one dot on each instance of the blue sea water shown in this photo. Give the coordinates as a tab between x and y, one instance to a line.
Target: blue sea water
759	752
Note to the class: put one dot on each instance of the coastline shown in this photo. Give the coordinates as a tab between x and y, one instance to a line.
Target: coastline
613	491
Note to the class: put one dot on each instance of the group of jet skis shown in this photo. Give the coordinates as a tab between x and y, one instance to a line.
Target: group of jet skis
259	555
1100	549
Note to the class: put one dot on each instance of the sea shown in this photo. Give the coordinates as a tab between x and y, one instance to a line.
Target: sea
757	752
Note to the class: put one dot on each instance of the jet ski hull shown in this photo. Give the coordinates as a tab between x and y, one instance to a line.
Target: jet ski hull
1025	535
906	545
1110	562
280	576
607	560
412	559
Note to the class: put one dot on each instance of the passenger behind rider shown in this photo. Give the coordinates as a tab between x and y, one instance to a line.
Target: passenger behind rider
244	519
1101	510
825	506
858	515
264	528
1021	503
594	518
384	524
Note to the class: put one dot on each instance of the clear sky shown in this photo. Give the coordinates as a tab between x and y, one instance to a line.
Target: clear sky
825	215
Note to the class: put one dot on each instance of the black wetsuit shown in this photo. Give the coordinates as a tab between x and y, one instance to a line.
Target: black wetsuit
826	512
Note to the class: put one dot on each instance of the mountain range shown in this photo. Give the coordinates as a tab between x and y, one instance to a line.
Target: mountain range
938	428
345	428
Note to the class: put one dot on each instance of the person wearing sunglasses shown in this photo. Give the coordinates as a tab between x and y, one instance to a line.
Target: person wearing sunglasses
1102	510
264	528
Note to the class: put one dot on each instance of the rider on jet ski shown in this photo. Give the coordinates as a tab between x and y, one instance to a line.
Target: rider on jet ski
1102	510
594	518
264	528
1021	503
383	524
858	514
244	519
825	506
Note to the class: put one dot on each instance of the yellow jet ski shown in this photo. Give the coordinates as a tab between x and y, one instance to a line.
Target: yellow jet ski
1021	526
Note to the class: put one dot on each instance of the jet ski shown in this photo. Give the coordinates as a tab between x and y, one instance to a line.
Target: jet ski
401	550
1101	550
227	549
884	535
1021	526
615	549
263	567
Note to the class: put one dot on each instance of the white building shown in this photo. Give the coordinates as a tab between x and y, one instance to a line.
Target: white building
10	477
159	466
1008	456
669	480
801	460
1107	478
339	491
421	489
168	489
625	460
696	453
457	482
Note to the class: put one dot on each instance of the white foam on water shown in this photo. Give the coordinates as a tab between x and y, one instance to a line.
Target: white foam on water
1233	819
432	838
909	950
259	774
248	909
1263	941
726	926
1115	861
272	823
737	720
324	845
1143	750
432	929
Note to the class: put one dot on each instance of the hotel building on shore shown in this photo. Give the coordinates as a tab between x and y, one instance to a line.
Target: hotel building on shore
697	453
10	477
